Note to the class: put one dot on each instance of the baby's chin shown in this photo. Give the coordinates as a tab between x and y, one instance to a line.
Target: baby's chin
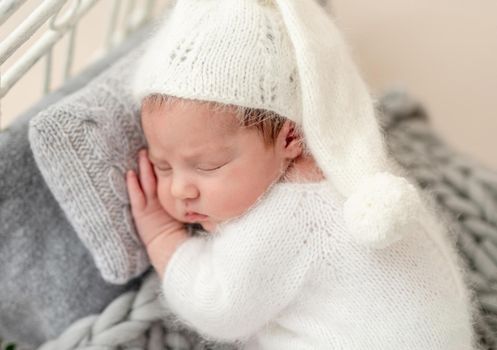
208	226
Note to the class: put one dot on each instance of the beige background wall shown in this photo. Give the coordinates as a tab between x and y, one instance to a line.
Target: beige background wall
444	52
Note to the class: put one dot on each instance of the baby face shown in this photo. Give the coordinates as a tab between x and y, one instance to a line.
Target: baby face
208	168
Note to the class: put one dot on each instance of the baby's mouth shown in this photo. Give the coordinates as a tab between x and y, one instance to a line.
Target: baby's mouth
195	217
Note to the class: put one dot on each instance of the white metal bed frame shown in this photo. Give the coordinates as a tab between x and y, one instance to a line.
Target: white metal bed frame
63	17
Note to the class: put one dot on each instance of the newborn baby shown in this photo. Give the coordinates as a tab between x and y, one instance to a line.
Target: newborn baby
277	269
261	130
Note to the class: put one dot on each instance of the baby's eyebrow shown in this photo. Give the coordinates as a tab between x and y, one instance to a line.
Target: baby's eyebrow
208	151
193	155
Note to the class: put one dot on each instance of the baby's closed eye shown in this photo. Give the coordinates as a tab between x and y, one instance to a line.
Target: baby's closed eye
201	167
158	168
210	167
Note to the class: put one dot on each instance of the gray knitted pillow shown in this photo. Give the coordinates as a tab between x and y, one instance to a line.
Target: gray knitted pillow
83	145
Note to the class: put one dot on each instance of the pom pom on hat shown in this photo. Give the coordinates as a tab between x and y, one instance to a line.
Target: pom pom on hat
382	210
301	70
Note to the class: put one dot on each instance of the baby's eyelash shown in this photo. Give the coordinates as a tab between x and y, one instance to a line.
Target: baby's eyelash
161	169
201	169
211	169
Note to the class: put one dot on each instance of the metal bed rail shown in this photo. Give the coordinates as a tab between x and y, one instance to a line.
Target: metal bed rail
63	18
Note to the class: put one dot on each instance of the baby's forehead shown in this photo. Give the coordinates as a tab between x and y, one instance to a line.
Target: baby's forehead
224	117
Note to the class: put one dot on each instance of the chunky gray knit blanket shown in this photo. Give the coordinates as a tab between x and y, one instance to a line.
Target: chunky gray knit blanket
48	278
464	190
53	290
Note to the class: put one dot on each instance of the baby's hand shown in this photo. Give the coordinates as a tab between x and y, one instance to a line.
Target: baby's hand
158	230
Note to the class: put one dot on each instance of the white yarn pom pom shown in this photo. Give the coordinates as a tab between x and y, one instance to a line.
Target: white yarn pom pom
266	2
382	210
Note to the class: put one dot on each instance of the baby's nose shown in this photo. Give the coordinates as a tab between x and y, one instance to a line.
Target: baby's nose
181	188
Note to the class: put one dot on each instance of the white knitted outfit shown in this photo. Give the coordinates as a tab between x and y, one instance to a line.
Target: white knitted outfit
287	56
286	275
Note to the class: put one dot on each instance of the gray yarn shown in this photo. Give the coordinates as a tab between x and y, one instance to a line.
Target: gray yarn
83	146
124	320
136	319
466	191
40	253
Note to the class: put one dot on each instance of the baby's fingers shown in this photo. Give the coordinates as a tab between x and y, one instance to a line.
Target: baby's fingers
147	176
136	196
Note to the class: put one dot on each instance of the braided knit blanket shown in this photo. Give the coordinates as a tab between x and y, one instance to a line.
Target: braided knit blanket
466	191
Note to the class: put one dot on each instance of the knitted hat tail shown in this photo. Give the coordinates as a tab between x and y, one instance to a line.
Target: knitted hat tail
342	131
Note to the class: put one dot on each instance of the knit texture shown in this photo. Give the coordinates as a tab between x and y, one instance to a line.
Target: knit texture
192	56
48	277
83	146
463	187
286	275
288	57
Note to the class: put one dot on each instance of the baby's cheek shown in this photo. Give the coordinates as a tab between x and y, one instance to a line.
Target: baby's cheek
231	199
165	198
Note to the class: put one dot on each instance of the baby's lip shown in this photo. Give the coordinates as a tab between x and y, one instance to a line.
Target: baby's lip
194	216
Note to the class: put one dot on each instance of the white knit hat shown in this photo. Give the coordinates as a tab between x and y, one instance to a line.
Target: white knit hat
288	56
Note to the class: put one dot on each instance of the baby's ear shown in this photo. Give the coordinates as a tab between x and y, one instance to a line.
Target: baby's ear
291	139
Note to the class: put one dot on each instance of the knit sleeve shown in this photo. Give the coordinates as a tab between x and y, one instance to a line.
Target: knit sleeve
230	285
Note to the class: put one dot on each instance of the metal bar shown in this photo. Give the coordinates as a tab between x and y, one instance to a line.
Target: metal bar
8	7
68	19
137	13
70	52
26	29
129	25
113	22
0	101
149	10
24	63
142	15
38	49
48	72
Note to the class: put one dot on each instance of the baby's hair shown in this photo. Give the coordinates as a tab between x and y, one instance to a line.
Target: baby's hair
268	123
